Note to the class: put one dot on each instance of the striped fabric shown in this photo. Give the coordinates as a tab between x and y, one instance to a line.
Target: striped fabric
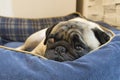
18	29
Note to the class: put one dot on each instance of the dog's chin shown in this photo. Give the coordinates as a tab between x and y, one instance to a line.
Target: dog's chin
62	51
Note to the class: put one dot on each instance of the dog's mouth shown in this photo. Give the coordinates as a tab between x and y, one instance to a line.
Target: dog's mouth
63	50
60	51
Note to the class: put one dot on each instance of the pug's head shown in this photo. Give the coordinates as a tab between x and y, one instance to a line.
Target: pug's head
77	36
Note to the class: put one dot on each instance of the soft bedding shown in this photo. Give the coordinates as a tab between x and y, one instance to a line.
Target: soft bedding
101	64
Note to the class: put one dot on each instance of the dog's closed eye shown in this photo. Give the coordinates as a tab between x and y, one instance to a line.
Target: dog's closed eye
78	42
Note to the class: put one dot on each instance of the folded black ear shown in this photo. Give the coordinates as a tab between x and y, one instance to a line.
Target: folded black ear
48	32
102	36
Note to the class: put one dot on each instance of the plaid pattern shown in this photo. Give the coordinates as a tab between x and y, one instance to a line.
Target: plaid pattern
18	29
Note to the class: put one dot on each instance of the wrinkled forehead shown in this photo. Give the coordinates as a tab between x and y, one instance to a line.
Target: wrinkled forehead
66	25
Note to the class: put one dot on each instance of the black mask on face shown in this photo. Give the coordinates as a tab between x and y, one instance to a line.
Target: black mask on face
62	51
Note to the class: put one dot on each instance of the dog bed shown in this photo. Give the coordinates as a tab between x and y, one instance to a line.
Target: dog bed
100	64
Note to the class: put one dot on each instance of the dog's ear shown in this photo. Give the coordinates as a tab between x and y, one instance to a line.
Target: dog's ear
48	32
102	36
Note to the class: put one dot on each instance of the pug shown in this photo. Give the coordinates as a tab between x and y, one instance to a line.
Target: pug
78	34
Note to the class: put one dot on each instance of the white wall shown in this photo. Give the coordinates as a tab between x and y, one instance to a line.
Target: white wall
37	8
6	8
